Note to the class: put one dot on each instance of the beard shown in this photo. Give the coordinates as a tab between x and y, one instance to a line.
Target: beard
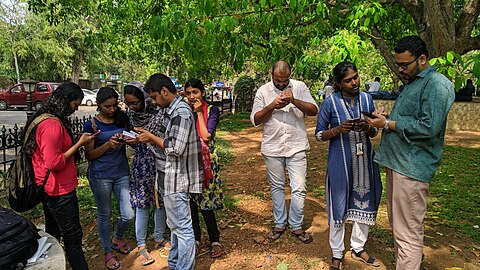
281	87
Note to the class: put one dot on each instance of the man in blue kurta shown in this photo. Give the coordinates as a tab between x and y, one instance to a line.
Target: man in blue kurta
412	146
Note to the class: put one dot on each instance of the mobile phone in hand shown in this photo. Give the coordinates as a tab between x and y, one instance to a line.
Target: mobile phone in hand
96	133
369	114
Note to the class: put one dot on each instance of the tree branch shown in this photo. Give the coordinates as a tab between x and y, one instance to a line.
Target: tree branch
467	20
382	46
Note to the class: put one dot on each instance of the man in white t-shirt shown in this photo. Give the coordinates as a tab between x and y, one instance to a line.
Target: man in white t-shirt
281	105
373	86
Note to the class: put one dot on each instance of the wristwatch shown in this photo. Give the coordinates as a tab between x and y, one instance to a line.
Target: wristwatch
385	127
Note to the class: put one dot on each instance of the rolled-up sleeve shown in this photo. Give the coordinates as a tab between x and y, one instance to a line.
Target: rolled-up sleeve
176	138
50	139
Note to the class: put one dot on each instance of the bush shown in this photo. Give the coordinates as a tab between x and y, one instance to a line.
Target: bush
244	90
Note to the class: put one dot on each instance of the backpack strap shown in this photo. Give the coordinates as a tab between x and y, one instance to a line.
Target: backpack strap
37	121
34	123
94	125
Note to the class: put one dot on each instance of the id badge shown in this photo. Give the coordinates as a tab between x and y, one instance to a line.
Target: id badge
359	147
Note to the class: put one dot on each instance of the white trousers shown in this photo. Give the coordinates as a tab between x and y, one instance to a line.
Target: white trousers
357	240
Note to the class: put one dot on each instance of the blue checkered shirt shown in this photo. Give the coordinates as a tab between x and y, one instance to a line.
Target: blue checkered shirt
179	165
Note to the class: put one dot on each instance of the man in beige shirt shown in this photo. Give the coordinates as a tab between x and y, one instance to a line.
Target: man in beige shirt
281	105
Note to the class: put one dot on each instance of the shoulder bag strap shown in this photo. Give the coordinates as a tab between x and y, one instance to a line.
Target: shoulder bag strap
94	125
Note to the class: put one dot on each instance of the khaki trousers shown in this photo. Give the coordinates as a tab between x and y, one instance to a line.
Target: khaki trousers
406	206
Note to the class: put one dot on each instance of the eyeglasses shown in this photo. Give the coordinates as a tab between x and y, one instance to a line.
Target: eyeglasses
405	65
132	104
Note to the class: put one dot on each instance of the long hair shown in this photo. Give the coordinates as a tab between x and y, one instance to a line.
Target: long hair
58	104
339	72
120	117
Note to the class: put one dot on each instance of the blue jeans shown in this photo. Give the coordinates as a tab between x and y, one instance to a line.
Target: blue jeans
102	191
179	220
297	171
141	224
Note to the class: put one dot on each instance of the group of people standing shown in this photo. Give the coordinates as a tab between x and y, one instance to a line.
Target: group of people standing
410	150
175	167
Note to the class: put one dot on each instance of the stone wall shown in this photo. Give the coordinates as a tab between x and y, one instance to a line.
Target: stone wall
462	116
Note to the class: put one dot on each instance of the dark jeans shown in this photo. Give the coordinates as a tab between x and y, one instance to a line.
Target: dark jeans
62	220
210	221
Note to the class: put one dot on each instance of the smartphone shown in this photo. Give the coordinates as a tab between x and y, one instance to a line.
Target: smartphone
369	114
119	139
96	133
357	120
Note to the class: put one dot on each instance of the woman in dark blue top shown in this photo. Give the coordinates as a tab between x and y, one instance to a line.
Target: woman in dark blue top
108	172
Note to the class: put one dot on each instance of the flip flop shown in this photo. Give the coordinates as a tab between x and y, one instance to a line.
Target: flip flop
339	265
303	236
144	257
275	234
121	247
110	256
163	245
216	250
370	261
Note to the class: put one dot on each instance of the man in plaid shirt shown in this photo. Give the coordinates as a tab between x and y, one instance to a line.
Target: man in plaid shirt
179	166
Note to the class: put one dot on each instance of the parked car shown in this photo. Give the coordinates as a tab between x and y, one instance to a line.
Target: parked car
89	97
15	95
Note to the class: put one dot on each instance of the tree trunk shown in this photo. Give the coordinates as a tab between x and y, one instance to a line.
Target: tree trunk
77	66
440	27
17	71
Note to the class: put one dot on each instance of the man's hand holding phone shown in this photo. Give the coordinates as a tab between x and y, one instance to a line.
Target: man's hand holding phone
287	94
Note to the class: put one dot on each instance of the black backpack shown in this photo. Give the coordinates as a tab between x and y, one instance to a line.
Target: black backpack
23	192
18	239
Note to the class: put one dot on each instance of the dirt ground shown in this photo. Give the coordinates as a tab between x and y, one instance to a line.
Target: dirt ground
243	230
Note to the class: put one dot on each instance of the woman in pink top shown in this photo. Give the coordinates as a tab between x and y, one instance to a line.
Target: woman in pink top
52	150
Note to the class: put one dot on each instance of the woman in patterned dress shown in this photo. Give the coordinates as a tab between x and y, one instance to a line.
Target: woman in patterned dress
143	113
207	117
353	187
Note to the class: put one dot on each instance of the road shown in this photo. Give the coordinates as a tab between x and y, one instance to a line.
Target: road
10	118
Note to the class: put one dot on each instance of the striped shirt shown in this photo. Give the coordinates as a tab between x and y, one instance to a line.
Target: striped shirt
179	164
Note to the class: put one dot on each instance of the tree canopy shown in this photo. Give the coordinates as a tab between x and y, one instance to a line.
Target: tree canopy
220	39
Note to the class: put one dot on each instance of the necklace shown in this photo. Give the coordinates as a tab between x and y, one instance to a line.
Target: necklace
106	121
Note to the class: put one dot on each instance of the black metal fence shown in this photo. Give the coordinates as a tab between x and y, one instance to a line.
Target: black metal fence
11	141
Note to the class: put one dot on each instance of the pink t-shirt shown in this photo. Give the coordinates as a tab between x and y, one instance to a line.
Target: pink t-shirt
52	142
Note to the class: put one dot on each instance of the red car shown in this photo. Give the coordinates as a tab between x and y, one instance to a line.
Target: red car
15	95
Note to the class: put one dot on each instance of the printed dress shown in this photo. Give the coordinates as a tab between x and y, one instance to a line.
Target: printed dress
212	196
143	192
353	187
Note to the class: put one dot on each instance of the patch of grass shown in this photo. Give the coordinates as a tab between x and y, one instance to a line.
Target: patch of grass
318	191
235	122
455	192
224	150
230	202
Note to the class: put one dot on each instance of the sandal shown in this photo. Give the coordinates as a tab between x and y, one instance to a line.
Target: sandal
121	247
275	234
370	261
303	236
216	250
109	256
144	257
163	245
339	264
